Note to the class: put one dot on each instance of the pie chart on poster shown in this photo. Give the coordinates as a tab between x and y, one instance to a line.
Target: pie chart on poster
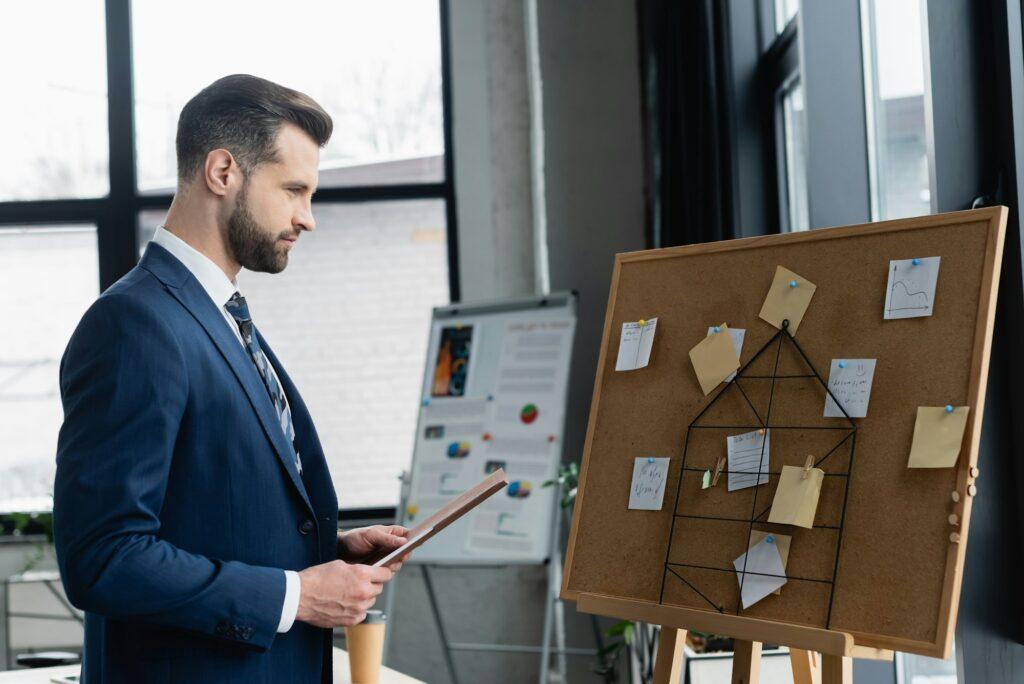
529	414
458	450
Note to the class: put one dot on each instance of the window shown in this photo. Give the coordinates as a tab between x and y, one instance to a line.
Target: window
97	149
48	278
376	67
349	319
54	133
794	135
894	101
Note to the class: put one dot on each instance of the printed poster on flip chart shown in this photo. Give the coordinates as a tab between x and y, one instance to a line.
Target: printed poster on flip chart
493	397
910	292
635	344
524	431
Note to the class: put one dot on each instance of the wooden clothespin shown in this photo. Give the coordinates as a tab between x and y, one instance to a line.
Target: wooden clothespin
719	467
808	464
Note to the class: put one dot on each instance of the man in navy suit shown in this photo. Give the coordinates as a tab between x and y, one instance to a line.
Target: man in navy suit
194	516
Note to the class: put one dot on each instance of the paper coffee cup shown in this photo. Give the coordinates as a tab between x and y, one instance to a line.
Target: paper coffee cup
365	644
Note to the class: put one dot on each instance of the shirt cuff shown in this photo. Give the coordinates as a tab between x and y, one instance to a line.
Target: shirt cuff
292	590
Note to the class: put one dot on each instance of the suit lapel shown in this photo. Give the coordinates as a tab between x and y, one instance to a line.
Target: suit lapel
190	294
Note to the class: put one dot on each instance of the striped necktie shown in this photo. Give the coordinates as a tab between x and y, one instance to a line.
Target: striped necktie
239	310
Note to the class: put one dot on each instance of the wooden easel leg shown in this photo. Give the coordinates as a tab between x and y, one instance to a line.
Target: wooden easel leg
836	669
805	666
668	663
746	662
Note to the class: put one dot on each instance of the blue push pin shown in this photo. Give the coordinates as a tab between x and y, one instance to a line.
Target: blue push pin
650	459
949	408
792	283
842	364
426	402
770	539
490	397
915	262
717	329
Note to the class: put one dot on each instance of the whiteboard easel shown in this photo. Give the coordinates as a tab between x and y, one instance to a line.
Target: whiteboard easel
494	326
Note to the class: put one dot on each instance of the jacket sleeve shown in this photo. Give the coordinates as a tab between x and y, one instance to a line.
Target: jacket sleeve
124	389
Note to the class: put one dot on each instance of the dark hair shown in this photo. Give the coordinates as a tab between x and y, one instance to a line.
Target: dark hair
242	114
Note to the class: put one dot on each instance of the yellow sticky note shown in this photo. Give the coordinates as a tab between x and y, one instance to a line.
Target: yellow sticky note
714	358
937	436
781	542
796	498
788	298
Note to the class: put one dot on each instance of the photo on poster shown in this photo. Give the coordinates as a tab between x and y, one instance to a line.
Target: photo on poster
451	370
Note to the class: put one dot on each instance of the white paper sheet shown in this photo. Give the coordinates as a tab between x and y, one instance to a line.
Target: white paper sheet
911	289
635	345
737	335
849	380
762	558
647	491
747	459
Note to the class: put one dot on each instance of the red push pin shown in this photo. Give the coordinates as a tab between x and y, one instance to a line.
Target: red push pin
551	438
487	436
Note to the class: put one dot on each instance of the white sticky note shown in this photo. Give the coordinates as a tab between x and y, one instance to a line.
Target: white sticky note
748	459
635	345
763	559
736	335
849	381
647	491
911	289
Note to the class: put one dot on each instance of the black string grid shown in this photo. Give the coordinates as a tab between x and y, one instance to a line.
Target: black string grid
783	336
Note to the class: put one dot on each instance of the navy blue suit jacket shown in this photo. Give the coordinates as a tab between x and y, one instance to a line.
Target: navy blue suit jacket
176	505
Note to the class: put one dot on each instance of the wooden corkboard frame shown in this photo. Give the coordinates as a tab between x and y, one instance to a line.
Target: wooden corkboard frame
897	583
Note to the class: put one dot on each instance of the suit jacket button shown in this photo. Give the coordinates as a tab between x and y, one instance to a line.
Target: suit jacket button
306	527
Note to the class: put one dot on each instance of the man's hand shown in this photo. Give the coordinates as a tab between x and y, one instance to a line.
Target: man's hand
363	543
337	594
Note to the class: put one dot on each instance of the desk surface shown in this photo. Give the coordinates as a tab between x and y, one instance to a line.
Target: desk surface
42	675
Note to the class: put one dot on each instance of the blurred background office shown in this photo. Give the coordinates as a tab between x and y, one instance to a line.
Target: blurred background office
487	149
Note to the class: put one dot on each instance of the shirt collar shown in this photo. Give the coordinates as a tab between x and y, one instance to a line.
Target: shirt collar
209	274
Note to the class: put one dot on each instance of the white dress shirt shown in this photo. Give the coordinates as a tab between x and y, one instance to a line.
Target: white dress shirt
216	284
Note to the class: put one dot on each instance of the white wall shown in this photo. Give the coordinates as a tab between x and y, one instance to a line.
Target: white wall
590	166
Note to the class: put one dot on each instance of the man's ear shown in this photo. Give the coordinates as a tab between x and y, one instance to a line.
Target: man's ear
220	171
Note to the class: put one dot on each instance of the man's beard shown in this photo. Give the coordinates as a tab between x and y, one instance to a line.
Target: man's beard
252	246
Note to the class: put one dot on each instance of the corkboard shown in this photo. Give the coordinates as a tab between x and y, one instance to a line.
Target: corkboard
897	578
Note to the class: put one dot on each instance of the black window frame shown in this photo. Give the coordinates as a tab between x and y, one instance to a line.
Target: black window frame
116	216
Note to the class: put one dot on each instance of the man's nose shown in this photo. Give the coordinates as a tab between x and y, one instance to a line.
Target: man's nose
305	221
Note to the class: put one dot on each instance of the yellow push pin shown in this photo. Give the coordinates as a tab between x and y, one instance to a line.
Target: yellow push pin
642	322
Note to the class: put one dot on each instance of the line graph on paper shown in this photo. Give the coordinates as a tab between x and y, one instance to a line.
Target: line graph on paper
911	289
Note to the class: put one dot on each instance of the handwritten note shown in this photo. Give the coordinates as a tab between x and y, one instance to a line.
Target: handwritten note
737	335
760	571
635	344
911	289
796	497
748	459
787	299
849	381
647	491
937	436
714	358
